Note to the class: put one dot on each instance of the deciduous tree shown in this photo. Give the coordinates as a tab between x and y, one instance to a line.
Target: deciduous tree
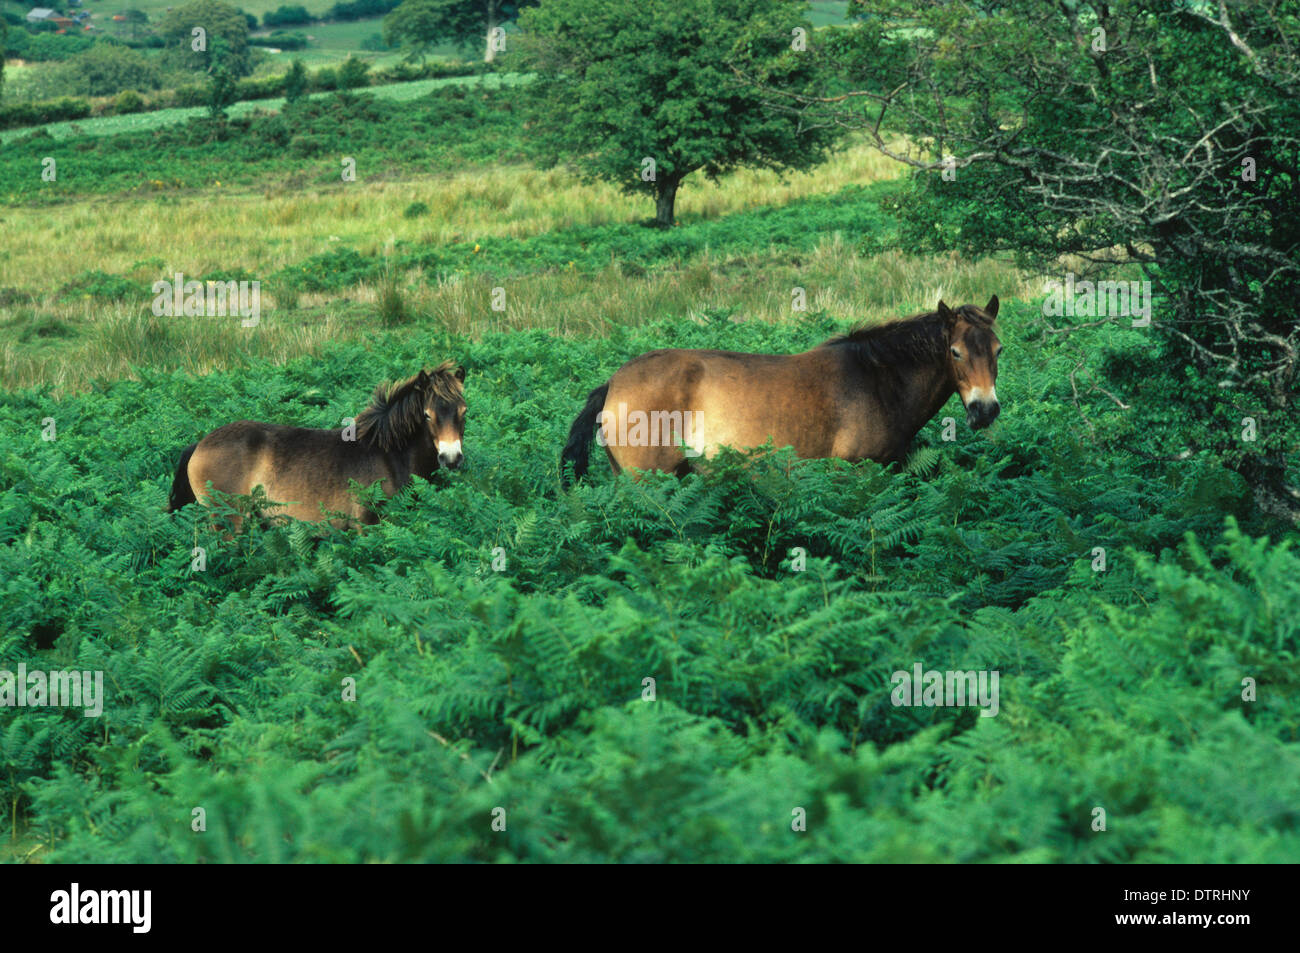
1159	134
419	25
642	94
217	20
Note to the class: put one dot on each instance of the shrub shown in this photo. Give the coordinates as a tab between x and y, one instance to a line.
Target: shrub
191	95
352	73
281	39
128	101
102	287
46	47
307	146
325	78
274	129
330	271
295	81
34	114
108	68
287	16
362	9
260	87
390	301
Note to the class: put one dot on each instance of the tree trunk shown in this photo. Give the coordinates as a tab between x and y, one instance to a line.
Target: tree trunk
490	54
665	201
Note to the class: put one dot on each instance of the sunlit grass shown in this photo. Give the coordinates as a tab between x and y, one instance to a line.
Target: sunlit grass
221	229
88	341
50	338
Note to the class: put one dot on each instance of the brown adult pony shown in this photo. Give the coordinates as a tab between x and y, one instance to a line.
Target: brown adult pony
863	395
410	428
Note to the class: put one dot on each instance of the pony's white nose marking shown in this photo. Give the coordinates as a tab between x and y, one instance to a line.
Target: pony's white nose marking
449	448
986	394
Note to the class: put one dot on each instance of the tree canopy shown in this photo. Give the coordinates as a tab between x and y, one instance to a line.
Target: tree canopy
644	94
419	25
1162	136
216	19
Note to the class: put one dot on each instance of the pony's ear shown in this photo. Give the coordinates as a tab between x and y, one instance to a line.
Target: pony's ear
948	314
460	374
422	382
991	309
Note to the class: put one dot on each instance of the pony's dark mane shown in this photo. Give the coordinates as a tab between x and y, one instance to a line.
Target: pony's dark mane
396	412
906	342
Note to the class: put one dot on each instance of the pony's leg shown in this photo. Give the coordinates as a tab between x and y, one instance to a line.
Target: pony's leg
613	463
202	497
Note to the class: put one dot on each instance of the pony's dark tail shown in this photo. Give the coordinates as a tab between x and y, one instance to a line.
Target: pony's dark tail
578	449
182	492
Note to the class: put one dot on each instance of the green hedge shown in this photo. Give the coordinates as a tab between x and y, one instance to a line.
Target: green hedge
17	115
281	39
45	47
51	110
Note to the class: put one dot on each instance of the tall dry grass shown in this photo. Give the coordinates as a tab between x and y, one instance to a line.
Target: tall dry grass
109	342
45	339
218	229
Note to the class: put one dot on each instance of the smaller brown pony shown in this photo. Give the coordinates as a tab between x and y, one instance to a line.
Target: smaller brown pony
861	396
410	429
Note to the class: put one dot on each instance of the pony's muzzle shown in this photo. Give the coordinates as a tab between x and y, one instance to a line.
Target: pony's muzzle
981	413
449	454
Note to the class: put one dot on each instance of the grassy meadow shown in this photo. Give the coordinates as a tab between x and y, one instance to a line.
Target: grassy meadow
263	229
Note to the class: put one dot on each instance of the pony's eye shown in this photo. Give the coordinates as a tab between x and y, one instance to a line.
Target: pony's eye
956	353
428	416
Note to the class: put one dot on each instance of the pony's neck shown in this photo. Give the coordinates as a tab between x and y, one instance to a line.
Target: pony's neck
420	456
924	392
933	388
